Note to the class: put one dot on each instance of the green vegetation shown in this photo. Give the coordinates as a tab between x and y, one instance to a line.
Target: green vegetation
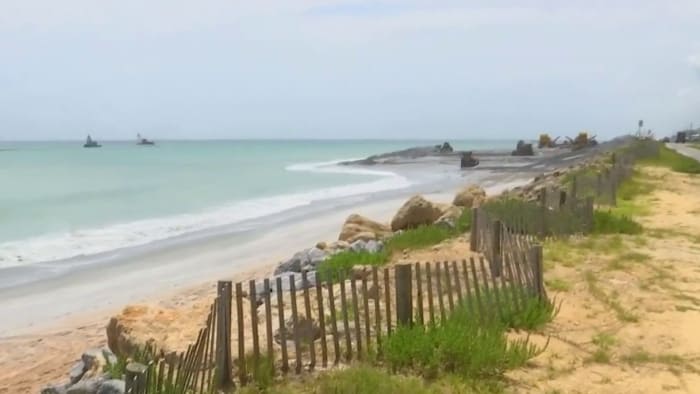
338	266
607	222
418	238
603	342
675	161
610	300
557	284
461	345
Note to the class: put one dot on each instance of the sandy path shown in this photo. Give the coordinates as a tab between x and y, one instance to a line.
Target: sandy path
631	304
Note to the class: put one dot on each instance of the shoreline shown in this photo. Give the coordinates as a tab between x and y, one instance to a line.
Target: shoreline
152	272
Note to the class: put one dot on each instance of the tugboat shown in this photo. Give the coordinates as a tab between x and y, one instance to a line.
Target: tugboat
143	141
89	143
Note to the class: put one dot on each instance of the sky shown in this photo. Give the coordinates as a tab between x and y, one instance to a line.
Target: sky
209	69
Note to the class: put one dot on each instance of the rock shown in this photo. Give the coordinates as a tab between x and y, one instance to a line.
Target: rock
88	386
294	264
112	386
373	246
363	236
356	224
468	160
76	372
322	245
449	217
54	389
316	256
358	246
417	211
470	197
306	330
338	246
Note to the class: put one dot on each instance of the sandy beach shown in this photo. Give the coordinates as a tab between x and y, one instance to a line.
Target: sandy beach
48	324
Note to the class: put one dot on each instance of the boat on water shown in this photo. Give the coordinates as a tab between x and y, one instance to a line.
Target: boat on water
90	143
143	141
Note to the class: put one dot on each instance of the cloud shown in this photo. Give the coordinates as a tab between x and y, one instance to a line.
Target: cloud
694	61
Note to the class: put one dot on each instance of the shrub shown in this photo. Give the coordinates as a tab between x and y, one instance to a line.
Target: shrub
461	345
338	266
418	238
606	222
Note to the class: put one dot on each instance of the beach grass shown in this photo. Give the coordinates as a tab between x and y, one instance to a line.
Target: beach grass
675	161
461	345
338	266
611	222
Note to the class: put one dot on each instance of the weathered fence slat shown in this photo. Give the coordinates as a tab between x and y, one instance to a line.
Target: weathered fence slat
282	325
268	323
307	310
441	304
321	324
419	294
468	291
346	323
377	310
477	291
295	325
253	298
223	341
365	304
242	374
356	315
448	279
387	305
334	324
458	285
429	282
404	295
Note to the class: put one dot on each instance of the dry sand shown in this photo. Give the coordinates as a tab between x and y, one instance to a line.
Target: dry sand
631	314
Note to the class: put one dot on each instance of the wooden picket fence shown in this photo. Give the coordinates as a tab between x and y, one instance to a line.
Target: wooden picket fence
602	185
332	323
299	325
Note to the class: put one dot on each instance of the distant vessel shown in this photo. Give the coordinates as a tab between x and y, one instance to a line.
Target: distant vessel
89	143
143	141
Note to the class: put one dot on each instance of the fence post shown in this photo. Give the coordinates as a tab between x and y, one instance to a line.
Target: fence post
562	199
589	212
135	378
474	240
599	184
543	213
223	335
537	269
404	295
496	257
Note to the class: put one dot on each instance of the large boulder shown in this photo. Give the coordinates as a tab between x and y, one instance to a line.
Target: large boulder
113	386
449	217
88	386
358	227
523	149
417	211
468	160
167	330
469	197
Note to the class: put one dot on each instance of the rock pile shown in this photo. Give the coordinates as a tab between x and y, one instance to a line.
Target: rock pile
88	376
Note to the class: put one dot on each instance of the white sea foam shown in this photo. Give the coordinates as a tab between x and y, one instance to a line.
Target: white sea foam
99	240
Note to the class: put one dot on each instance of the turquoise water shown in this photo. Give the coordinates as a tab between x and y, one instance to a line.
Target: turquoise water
59	200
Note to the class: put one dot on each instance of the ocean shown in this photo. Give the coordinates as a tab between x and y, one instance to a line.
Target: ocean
59	200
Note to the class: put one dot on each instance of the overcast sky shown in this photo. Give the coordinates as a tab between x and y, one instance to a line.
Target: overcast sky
345	69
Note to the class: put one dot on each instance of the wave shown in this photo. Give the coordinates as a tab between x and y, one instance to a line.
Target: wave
137	233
